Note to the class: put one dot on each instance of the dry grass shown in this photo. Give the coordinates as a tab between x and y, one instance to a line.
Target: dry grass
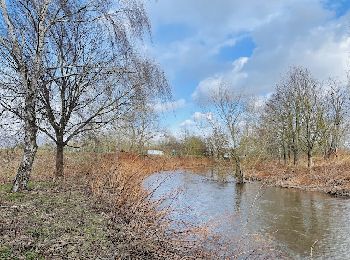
100	211
330	176
143	231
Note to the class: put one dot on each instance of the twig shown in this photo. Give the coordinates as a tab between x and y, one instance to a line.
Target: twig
312	248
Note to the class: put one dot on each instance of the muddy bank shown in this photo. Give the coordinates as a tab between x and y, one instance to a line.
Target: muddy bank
331	177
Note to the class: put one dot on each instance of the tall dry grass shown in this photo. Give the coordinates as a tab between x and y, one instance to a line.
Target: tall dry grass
138	227
330	176
144	231
140	230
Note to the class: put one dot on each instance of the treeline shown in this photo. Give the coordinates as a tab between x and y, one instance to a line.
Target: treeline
302	118
305	116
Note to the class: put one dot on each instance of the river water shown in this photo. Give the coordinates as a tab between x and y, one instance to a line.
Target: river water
296	222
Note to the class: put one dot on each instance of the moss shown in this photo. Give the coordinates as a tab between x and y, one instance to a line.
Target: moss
14	196
5	253
31	255
4	188
41	185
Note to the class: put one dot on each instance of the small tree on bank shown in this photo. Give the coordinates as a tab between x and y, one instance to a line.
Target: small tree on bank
229	110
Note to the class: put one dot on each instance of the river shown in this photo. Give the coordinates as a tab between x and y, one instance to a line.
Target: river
296	222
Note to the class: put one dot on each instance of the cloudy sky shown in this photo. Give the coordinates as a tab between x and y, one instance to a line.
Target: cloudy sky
249	44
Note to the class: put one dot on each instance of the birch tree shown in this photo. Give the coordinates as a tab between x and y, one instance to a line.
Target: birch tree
93	72
24	26
68	66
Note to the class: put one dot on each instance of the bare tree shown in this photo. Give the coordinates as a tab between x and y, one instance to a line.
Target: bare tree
298	116
312	112
337	106
139	127
274	127
229	110
68	66
93	74
22	45
217	141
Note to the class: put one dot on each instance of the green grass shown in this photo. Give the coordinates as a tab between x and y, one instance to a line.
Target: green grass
49	220
31	255
5	253
5	188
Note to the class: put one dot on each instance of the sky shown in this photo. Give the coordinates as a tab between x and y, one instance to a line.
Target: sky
249	44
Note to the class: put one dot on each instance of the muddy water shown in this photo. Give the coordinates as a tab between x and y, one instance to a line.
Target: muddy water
295	221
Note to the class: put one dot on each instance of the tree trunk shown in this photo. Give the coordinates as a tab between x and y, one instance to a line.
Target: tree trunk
332	150
21	180
309	159
59	173
238	171
295	155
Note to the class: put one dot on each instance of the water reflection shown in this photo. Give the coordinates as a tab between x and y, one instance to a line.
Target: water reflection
295	220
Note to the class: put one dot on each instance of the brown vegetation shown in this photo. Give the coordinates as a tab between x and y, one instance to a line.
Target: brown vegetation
330	176
99	210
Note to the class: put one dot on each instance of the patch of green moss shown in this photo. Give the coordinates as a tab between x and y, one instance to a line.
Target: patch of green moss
14	196
5	253
42	185
31	255
5	188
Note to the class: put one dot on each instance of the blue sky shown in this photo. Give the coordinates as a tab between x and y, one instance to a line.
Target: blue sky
247	44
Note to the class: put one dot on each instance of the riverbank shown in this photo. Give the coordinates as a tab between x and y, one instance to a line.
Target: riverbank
99	210
327	176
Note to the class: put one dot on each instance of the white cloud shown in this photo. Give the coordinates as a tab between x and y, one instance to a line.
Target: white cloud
232	78
285	33
187	123
302	35
198	116
196	119
169	106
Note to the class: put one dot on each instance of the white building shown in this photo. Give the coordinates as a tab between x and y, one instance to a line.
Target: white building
155	152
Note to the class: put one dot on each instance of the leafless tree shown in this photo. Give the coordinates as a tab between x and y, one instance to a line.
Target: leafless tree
296	115
139	127
70	67
274	127
217	142
312	112
94	74
229	111
337	107
22	45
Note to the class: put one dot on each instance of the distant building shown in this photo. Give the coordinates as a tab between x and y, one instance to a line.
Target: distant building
155	152
227	156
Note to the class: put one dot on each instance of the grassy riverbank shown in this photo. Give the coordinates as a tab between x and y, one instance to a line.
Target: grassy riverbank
328	176
100	211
